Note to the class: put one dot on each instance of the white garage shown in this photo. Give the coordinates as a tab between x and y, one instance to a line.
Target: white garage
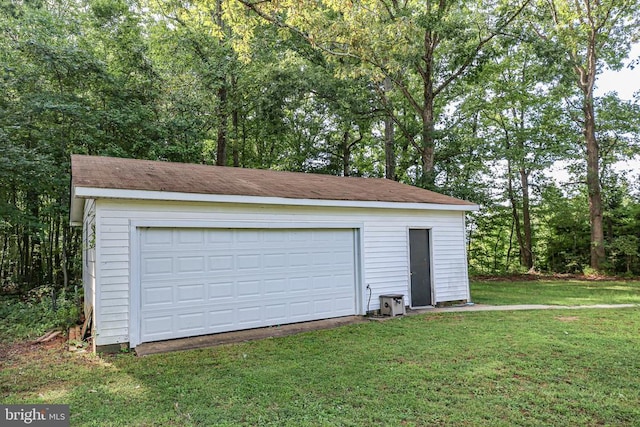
177	250
202	281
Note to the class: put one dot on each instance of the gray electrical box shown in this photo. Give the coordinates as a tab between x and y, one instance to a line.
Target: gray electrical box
392	305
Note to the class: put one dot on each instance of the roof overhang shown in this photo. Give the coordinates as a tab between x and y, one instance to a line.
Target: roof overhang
76	209
78	194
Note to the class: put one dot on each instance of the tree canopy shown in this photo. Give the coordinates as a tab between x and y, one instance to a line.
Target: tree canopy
473	98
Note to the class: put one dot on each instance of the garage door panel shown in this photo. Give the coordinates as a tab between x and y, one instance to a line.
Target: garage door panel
248	262
221	237
157	325
157	266
188	290
189	237
205	281
195	293
274	237
248	236
191	322
275	260
159	238
249	315
300	309
220	320
322	282
341	283
275	287
343	305
298	259
322	306
248	288
189	264
220	263
300	284
323	258
159	295
276	312
222	290
343	258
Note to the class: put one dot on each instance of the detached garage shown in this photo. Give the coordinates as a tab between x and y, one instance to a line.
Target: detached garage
173	250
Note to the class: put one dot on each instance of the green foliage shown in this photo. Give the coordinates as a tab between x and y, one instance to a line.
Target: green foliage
40	311
566	240
490	242
304	90
626	250
562	234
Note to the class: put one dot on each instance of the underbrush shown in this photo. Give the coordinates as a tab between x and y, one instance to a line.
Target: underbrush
39	311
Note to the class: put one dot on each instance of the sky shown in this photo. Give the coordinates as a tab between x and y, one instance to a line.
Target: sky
625	82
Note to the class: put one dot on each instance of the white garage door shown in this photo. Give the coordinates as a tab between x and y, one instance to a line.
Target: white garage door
203	281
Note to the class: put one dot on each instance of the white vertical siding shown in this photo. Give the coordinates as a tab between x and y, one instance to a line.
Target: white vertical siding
113	277
387	255
384	247
89	254
450	260
386	263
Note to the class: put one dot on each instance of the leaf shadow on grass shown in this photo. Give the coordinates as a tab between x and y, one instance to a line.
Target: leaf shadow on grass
557	292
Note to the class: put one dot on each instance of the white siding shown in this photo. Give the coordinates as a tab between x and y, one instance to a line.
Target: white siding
450	261
89	254
384	246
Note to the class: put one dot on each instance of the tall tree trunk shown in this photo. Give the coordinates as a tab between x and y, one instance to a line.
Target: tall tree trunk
346	154
593	186
514	210
221	150
235	123
389	138
586	82
428	144
510	244
428	126
5	247
527	247
64	268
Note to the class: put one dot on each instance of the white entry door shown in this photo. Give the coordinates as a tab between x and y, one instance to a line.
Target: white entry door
203	281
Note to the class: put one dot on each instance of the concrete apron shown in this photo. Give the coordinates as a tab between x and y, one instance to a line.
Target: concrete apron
241	336
295	328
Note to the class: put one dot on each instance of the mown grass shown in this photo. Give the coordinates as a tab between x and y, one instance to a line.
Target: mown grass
530	368
555	292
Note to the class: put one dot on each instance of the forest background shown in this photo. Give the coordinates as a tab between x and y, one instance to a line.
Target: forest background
477	99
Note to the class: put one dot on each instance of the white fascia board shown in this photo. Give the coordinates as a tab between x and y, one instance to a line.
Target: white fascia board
76	210
112	193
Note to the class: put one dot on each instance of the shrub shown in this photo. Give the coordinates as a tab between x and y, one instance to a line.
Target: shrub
40	311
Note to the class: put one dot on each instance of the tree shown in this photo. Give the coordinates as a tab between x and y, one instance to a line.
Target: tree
202	38
422	47
522	120
592	34
74	77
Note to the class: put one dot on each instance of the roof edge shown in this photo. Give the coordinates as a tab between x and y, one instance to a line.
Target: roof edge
76	210
79	192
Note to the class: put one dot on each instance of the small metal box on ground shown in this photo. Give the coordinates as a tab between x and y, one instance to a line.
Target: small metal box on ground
392	305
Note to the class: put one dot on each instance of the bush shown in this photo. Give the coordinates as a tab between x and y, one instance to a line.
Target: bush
41	311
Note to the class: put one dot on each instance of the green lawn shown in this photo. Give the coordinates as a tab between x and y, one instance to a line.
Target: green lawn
556	292
560	367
